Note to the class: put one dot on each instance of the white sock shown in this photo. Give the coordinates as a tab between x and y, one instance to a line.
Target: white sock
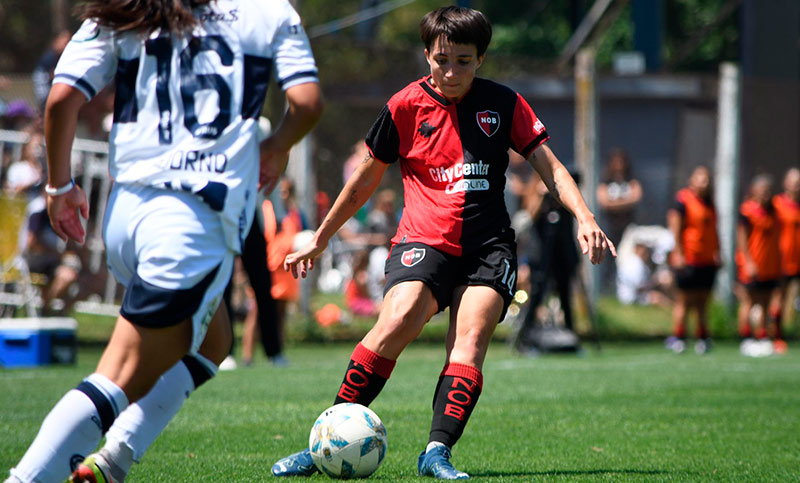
140	424
69	433
434	444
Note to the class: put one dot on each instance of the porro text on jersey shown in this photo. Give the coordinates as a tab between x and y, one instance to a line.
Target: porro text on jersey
198	161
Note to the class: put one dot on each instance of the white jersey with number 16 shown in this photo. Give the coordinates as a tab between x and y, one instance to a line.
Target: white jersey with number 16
186	107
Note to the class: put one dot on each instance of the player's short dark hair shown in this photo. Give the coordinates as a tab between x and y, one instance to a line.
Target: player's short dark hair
458	25
144	16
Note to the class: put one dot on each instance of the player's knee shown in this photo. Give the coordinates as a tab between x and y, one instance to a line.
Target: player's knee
473	340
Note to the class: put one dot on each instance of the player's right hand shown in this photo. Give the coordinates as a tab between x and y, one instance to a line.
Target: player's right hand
65	214
302	261
273	163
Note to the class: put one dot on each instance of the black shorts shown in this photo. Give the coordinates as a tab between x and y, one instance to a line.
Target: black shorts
761	285
789	278
494	265
692	277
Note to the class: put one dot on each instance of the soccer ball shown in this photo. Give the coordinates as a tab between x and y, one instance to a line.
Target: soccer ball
347	441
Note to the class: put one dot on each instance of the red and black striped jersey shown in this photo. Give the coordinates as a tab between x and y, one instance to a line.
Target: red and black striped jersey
453	158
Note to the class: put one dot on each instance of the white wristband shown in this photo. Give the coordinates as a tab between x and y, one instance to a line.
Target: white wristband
60	190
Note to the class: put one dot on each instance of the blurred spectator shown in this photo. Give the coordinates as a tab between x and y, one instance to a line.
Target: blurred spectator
787	209
44	254
42	76
279	234
695	258
4	83
262	319
617	196
382	218
635	279
19	115
552	259
757	258
357	297
26	174
358	152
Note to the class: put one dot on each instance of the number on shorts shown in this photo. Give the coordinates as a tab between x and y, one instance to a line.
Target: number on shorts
509	277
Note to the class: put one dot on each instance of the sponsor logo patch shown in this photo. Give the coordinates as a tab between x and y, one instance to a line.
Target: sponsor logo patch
488	121
412	256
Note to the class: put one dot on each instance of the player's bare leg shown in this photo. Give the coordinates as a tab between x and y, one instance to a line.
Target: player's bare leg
138	426
406	308
698	302
475	313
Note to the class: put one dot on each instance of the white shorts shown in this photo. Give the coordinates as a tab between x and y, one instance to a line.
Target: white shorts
168	249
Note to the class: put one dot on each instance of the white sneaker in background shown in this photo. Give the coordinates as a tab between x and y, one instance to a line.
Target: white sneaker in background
228	364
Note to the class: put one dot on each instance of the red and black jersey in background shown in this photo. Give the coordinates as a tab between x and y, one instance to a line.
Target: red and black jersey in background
453	159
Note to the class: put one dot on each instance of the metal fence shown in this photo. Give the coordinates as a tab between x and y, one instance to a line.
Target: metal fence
90	169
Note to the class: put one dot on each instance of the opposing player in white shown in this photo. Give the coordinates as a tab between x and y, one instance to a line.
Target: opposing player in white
191	78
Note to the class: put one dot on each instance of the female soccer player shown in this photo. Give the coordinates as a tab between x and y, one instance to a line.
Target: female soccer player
450	133
758	258
695	259
787	210
191	77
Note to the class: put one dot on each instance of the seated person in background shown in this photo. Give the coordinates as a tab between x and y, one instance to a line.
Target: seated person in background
636	283
25	175
43	252
357	296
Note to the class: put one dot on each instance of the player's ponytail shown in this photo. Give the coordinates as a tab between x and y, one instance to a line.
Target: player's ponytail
142	16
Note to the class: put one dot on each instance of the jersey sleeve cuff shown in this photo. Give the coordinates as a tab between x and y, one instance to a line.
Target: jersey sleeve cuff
538	141
297	79
81	84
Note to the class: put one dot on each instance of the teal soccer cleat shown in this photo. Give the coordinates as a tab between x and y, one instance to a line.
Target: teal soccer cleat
298	464
436	462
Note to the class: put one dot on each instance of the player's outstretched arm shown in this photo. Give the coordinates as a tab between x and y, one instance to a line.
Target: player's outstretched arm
60	123
592	240
355	193
305	107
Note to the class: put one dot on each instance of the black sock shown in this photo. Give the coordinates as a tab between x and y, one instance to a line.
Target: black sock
365	377
456	395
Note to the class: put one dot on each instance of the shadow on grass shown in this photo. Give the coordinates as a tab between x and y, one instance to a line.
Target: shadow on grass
607	472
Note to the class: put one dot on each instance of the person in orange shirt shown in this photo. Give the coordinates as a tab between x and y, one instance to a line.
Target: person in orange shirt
787	209
758	257
695	259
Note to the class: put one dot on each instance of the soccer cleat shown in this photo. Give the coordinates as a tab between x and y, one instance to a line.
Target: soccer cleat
436	462
92	470
702	346
298	464
675	344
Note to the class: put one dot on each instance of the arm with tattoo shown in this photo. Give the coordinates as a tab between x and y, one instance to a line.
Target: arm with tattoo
562	186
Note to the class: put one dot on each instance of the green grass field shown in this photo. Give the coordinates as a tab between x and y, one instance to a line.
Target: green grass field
632	412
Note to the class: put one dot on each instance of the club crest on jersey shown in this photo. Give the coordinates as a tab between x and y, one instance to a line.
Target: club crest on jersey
489	122
412	256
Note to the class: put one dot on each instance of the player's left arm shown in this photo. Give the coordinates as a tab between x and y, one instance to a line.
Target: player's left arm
562	186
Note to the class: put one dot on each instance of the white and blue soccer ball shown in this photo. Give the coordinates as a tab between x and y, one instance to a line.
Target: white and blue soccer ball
348	441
